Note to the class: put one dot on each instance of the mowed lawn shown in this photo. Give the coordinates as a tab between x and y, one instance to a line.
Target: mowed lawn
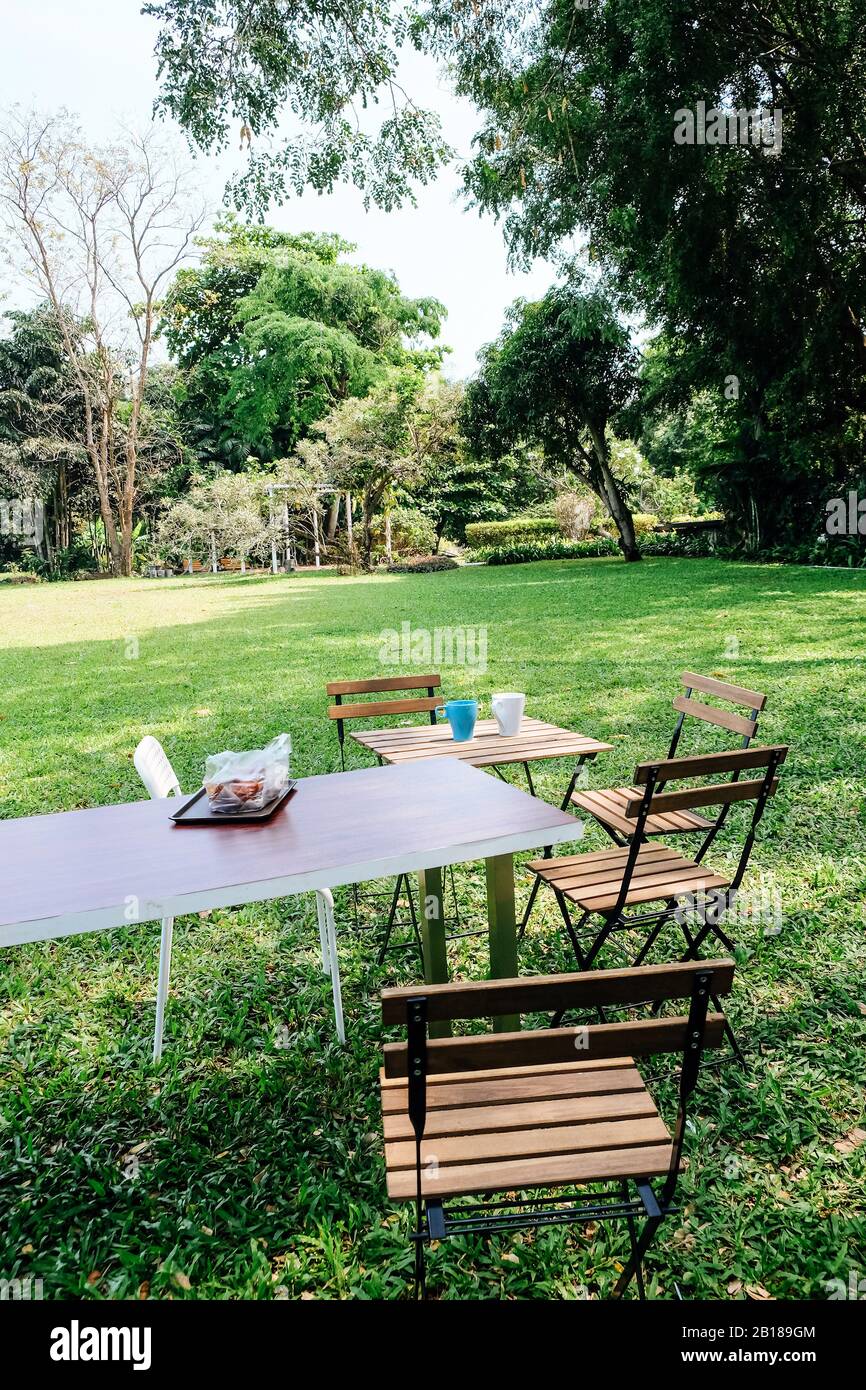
249	1164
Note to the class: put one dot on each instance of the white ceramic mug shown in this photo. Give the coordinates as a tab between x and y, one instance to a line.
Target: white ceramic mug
508	712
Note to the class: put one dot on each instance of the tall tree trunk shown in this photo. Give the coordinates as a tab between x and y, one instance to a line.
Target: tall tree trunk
609	492
333	519
389	554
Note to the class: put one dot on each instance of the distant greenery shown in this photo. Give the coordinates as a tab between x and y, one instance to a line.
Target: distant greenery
249	1164
742	262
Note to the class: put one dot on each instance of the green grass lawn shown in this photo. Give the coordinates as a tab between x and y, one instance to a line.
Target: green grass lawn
249	1163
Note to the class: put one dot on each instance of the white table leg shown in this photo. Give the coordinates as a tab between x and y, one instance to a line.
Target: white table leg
331	932
162	983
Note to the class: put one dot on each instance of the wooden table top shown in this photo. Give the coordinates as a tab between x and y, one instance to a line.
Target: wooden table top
88	870
487	748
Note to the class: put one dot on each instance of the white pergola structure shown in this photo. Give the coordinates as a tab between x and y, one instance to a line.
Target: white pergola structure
322	490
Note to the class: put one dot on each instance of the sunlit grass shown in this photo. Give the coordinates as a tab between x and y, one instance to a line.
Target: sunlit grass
250	1164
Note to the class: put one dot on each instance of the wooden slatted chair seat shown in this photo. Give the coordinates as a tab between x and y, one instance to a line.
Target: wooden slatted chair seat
525	1127
495	1115
608	808
593	881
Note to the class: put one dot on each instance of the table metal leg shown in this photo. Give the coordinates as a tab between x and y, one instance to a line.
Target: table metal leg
502	926
433	936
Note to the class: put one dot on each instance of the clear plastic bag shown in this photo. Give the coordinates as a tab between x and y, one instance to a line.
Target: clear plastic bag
240	782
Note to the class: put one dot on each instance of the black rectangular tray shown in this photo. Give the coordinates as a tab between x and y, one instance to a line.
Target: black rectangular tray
194	811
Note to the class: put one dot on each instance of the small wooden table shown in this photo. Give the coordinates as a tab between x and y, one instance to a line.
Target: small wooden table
536	742
91	870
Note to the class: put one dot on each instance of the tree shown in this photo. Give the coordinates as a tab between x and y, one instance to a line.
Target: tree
561	371
99	230
364	446
41	419
232	65
747	257
273	329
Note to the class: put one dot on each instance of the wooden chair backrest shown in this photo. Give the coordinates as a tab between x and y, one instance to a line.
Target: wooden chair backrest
710	794
739	723
363	709
493	998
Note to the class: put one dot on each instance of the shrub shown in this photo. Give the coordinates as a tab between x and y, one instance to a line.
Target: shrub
424	564
520	530
19	577
591	548
662	543
412	533
574	514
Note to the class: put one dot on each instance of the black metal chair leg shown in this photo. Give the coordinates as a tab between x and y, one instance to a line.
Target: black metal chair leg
639	1249
420	1269
389	925
654	934
521	932
632	1235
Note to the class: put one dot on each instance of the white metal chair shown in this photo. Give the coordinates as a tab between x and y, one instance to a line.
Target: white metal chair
160	779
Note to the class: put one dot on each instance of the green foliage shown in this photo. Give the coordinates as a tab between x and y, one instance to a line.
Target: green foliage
274	329
750	265
561	370
412	532
225	63
518	530
424	564
652	543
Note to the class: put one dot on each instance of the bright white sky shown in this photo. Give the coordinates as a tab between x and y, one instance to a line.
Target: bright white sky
95	57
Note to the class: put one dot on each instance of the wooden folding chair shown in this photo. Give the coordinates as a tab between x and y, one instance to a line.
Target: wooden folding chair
541	1111
604	885
608	808
399	704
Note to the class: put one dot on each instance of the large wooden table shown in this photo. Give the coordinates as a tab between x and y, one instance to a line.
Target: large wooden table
535	742
91	870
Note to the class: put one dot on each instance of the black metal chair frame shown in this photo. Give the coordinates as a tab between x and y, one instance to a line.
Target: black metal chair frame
671	753
434	1222
622	840
714	904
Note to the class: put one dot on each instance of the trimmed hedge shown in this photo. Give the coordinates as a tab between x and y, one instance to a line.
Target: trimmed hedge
423	564
664	543
520	530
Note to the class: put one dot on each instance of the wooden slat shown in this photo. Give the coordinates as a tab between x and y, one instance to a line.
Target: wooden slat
370	687
550	1171
556	1084
720	793
549	868
705	764
498	1073
490	998
725	719
593	900
376	707
529	1143
494	1119
487	748
485	730
640	1038
599	877
608	807
737	694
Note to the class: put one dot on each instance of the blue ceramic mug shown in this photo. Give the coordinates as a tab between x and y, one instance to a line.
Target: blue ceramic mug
461	715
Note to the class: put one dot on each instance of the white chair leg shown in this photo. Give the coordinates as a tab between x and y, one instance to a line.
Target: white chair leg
162	984
323	934
328	901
